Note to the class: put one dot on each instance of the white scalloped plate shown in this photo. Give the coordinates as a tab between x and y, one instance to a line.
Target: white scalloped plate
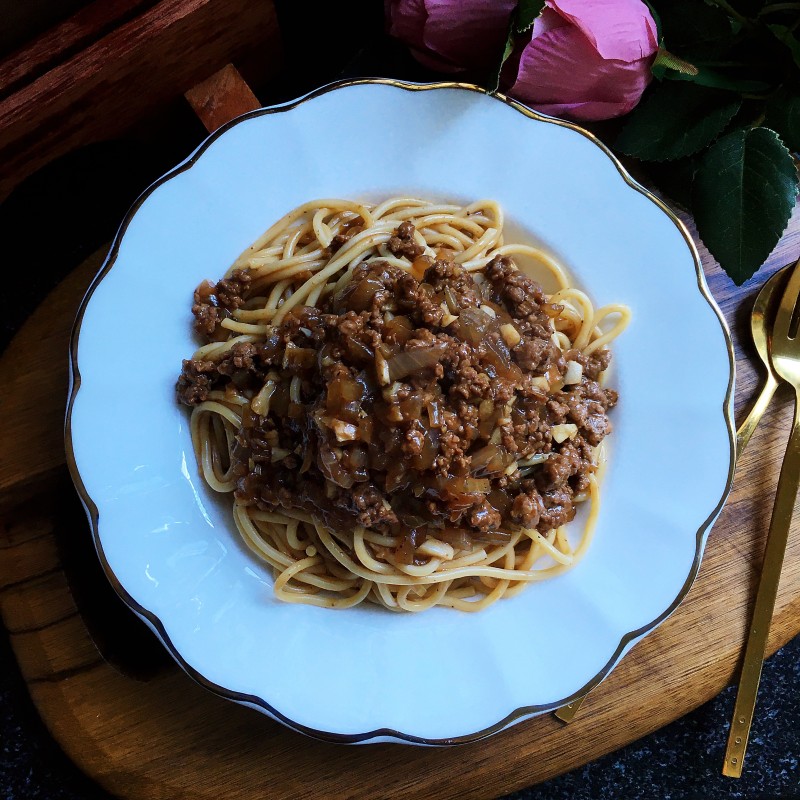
170	548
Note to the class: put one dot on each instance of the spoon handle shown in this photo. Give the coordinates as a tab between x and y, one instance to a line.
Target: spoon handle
756	412
777	537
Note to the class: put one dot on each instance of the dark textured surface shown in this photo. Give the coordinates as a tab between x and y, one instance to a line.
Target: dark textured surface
77	203
679	762
683	760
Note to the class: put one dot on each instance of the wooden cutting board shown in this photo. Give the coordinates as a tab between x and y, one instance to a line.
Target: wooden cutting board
141	728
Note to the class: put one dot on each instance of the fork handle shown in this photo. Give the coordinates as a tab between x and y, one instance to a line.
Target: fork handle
755	649
756	412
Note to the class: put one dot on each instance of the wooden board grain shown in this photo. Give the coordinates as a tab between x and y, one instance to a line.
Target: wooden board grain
63	40
165	737
95	90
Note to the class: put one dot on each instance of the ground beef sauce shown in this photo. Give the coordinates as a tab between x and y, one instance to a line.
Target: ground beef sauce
430	402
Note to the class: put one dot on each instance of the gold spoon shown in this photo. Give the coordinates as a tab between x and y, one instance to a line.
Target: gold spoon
760	325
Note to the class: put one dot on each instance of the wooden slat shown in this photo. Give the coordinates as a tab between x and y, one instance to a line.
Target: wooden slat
221	98
40	651
64	40
39	442
136	68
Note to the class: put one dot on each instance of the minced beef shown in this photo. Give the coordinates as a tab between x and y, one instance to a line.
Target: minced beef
197	378
212	302
426	406
402	242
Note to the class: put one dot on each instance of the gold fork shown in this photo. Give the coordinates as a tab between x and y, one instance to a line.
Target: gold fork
784	346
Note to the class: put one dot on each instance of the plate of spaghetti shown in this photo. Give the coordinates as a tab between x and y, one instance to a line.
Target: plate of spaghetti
411	439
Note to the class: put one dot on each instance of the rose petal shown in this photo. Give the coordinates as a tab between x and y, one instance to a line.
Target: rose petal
560	72
618	29
433	61
590	111
548	20
469	34
406	20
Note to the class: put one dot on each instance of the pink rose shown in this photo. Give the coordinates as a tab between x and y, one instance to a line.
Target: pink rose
451	35
586	59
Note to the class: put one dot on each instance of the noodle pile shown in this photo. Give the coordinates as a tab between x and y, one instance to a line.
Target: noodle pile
310	255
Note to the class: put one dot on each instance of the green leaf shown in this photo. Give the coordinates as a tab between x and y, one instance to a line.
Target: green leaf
493	80
744	193
676	120
666	61
748	8
785	35
693	29
782	114
743	8
674	179
715	79
527	13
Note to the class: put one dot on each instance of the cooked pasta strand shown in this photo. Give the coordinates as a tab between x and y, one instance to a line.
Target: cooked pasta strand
305	256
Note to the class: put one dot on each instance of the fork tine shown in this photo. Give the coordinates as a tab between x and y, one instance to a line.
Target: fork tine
783	316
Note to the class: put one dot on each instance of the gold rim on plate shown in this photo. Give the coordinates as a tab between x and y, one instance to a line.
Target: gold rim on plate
252	700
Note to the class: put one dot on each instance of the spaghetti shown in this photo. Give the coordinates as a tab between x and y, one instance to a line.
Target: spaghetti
402	415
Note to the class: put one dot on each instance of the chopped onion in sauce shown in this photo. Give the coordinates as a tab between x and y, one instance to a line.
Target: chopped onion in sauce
563	432
490	460
412	361
574	373
532	461
436	549
510	334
